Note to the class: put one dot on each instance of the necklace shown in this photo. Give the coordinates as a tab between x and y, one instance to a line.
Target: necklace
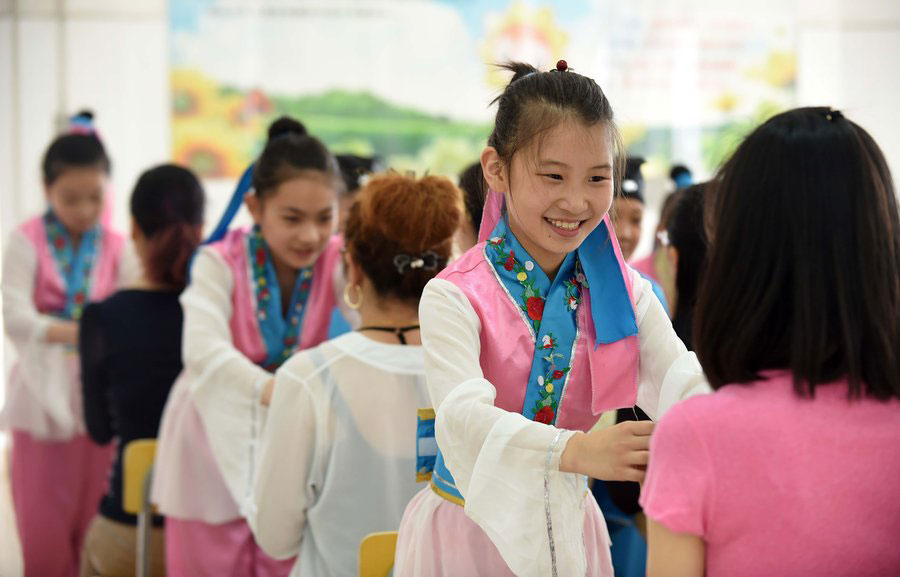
398	331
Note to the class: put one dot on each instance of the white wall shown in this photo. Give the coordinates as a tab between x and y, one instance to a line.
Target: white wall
105	55
847	58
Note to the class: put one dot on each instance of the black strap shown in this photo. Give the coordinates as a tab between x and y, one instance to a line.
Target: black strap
399	331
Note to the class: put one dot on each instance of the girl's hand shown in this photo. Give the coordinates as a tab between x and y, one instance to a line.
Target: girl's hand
265	397
617	453
63	332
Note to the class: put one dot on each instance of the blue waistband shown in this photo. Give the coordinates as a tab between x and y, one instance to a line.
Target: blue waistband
442	482
430	464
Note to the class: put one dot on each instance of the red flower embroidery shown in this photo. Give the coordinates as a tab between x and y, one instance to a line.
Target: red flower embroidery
79	298
60	242
535	307
510	263
558	375
290	341
260	257
264	293
545	415
305	286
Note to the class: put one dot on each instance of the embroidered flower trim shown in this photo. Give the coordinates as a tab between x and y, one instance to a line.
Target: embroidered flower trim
260	258
59	243
532	303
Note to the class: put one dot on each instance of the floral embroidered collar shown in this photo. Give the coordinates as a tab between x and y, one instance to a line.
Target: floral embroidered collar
280	333
75	266
549	309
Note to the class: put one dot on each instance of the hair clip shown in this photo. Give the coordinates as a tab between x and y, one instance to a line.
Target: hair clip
630	185
833	115
562	66
428	260
81	124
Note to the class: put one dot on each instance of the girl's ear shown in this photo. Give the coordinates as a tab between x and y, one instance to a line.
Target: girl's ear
255	207
492	166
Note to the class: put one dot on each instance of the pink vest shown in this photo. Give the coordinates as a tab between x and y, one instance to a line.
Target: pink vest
37	402
49	290
601	379
190	485
244	325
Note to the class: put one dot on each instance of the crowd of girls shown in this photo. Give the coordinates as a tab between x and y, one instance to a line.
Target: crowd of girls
476	368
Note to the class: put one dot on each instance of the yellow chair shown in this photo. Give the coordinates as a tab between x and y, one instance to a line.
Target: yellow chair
137	475
376	554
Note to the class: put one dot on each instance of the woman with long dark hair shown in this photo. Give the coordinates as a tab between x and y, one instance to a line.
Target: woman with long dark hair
131	353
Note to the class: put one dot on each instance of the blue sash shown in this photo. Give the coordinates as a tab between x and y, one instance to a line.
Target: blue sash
280	333
75	267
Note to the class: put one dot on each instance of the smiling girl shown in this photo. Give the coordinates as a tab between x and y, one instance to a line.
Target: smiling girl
529	337
256	297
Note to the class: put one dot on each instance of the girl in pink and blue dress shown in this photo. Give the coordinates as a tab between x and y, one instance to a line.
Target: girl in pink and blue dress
54	265
255	297
790	468
529	337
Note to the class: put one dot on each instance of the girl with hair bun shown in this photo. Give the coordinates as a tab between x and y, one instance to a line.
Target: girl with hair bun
346	410
54	265
126	373
256	296
529	337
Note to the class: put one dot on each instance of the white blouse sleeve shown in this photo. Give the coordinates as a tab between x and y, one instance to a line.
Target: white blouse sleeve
669	372
283	485
498	459
21	320
225	385
43	396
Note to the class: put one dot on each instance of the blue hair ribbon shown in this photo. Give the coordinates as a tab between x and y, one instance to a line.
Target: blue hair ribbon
234	205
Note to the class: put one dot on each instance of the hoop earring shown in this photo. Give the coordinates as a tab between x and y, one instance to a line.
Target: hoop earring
350	303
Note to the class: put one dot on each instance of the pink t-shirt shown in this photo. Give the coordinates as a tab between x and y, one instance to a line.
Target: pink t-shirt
779	485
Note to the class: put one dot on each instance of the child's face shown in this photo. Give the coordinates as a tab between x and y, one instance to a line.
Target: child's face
627	216
76	197
297	219
558	193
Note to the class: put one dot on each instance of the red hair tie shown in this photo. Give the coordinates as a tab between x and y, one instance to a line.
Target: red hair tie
562	66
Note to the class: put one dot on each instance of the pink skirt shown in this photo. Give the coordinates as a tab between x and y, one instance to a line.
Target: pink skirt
437	539
197	549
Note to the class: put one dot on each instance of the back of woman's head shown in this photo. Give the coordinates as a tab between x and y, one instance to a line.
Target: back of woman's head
290	152
804	270
400	231
167	206
686	233
534	102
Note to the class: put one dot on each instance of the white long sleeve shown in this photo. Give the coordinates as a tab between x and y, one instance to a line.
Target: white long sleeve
43	395
499	458
21	320
225	384
283	487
